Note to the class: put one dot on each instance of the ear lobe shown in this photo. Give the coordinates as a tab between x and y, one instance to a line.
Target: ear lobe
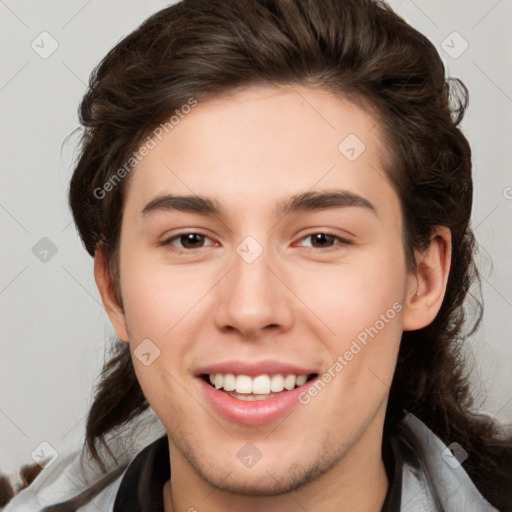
427	285
108	296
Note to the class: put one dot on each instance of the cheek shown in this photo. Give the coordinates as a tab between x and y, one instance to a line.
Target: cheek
164	304
362	306
350	297
158	297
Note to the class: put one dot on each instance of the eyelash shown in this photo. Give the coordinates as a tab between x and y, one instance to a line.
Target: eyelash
341	241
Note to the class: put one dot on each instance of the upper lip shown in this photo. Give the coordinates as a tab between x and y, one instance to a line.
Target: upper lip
253	369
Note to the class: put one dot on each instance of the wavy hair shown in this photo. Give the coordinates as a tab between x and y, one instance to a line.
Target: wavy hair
359	49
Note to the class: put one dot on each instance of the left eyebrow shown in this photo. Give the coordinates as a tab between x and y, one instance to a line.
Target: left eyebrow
311	201
304	202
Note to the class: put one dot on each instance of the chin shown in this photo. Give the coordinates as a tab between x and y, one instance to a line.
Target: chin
263	479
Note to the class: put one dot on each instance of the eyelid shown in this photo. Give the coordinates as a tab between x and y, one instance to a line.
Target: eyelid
167	241
342	241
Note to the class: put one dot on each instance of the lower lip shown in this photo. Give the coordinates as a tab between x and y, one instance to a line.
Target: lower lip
256	412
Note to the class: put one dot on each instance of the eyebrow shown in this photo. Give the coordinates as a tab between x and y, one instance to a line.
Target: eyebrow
304	202
313	201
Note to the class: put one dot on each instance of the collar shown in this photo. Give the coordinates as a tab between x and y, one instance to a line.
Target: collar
432	478
143	480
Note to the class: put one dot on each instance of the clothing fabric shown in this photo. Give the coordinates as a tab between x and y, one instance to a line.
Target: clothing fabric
439	483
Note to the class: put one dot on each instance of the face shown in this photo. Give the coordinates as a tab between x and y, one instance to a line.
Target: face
260	282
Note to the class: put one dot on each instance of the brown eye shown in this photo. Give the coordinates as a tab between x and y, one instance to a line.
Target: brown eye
191	240
322	240
188	241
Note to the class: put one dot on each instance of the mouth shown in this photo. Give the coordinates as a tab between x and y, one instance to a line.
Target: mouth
254	393
256	388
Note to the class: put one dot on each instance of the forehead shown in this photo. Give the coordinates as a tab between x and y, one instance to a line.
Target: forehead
258	145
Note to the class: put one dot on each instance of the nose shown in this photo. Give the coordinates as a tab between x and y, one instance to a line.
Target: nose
252	299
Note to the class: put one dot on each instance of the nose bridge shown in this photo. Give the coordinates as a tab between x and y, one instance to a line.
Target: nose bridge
252	297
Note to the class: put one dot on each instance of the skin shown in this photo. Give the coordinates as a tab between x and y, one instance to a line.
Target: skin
296	302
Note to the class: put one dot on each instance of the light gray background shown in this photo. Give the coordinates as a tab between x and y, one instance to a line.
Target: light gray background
53	328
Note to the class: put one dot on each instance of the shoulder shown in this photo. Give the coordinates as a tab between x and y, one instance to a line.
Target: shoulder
433	475
60	481
74	476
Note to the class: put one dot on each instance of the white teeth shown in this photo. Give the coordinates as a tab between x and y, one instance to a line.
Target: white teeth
249	398
260	385
229	382
277	383
243	384
301	379
289	382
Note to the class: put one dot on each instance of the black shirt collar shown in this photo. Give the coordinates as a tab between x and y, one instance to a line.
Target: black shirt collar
143	482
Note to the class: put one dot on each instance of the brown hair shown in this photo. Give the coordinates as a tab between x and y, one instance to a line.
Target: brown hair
357	48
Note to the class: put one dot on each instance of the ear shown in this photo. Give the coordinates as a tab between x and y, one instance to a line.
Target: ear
108	296
427	284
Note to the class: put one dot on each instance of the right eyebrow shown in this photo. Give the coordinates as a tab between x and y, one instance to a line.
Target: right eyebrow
194	204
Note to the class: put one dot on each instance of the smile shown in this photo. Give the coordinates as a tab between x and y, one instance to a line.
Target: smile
254	400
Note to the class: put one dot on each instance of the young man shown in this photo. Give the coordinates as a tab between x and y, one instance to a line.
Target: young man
277	197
